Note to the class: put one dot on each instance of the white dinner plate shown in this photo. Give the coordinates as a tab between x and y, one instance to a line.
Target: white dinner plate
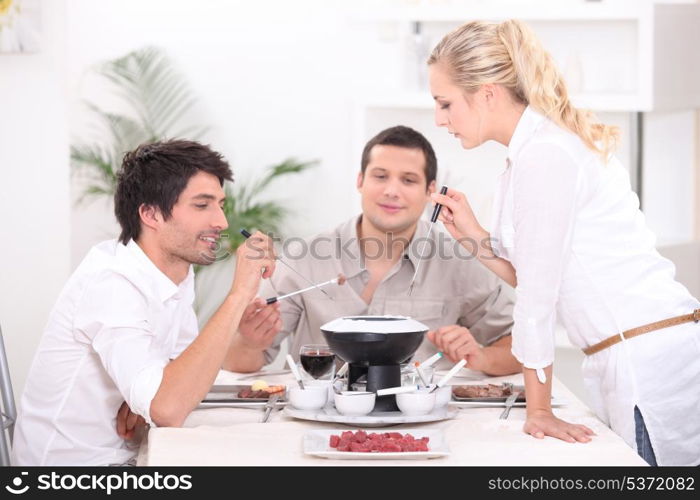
228	393
236	404
317	443
556	402
374	419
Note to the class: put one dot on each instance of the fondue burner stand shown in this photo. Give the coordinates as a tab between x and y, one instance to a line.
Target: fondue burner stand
375	346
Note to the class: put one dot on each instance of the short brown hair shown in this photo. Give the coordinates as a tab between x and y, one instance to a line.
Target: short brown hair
403	137
155	174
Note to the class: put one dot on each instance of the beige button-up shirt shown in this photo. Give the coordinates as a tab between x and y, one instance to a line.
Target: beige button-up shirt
451	288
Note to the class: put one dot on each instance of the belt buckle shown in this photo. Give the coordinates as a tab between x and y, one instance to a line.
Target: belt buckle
696	315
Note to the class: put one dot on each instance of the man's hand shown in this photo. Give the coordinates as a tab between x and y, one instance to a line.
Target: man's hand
260	324
457	343
255	259
128	423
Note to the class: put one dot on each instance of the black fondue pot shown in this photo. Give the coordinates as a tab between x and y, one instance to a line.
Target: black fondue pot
375	346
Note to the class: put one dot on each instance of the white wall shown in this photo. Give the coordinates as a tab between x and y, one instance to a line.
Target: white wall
669	175
276	79
34	189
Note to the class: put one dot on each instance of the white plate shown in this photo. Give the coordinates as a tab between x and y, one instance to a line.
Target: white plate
556	402
316	443
374	419
228	393
236	404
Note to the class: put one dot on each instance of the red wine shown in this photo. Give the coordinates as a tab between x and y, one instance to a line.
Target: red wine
317	364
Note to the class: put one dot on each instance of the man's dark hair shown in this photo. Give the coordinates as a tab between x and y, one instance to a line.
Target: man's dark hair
155	174
403	137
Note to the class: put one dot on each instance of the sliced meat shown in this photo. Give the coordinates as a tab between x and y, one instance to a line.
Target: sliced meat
390	442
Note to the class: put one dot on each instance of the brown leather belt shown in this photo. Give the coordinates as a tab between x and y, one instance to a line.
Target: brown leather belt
641	330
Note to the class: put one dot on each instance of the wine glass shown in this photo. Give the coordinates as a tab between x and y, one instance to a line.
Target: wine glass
318	361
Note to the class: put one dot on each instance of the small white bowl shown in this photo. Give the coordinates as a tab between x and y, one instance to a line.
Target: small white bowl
312	397
353	403
420	402
443	395
321	383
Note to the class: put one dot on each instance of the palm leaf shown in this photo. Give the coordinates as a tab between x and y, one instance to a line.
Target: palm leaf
243	211
156	99
147	80
94	164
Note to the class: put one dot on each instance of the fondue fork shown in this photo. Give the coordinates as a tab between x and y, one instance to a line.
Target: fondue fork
339	280
279	259
420	373
425	364
295	370
339	374
433	218
397	390
432	359
342	371
449	375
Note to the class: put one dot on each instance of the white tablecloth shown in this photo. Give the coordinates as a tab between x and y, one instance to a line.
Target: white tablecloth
234	436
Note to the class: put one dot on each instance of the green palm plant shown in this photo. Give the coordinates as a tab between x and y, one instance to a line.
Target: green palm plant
244	210
157	100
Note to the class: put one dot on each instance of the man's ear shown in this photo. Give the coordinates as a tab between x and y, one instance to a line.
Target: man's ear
360	179
431	188
150	216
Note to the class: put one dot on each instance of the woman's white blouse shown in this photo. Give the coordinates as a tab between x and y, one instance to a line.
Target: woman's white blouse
571	226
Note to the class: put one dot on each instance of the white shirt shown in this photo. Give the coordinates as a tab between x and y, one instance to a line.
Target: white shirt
117	323
571	226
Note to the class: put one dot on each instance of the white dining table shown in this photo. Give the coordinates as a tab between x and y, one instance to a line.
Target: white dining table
475	436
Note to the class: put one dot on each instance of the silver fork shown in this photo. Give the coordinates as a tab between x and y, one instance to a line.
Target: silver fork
509	404
269	406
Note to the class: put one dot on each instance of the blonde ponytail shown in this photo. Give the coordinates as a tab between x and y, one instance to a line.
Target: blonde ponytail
510	54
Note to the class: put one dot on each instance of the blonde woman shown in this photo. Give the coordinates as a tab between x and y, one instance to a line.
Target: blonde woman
567	233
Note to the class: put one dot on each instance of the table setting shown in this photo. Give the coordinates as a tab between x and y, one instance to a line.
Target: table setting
294	415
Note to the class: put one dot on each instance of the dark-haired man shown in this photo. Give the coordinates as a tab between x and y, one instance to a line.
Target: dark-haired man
123	336
468	310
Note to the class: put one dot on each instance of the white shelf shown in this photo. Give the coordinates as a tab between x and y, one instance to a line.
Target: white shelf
634	63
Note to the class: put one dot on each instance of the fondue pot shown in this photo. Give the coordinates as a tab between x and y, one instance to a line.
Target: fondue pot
375	346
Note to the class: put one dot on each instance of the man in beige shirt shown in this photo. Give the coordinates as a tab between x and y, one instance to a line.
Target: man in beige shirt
467	308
